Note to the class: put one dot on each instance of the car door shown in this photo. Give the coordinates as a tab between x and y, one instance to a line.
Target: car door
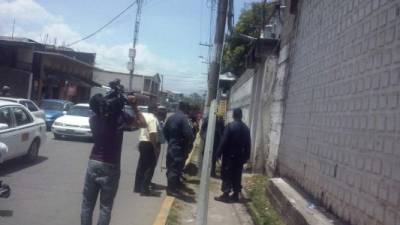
33	108
24	123
9	136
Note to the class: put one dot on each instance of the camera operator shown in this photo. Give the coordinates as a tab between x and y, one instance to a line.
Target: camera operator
103	172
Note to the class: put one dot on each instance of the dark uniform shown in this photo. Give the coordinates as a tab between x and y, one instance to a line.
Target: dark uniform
235	151
179	135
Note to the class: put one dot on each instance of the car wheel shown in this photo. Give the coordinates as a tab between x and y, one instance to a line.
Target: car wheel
57	136
33	151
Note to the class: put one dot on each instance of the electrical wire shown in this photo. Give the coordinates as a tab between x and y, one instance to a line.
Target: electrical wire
104	26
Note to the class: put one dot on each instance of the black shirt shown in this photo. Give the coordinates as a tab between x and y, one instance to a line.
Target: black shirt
107	138
235	141
179	135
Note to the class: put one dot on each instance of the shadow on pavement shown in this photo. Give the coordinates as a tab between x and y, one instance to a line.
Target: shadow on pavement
18	164
193	181
155	194
6	213
244	200
155	186
191	169
186	198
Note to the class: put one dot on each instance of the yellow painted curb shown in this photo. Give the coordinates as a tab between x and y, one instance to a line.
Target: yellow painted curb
162	216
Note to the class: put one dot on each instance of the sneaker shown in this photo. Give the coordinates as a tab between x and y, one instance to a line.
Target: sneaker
223	198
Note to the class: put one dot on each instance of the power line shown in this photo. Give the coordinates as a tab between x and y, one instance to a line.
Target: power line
104	26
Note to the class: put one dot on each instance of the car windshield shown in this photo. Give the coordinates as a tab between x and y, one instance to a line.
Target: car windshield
48	105
80	111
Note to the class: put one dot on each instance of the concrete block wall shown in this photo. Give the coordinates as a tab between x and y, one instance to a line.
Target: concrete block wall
240	96
341	129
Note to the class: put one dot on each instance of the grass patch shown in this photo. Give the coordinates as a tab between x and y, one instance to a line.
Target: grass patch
260	207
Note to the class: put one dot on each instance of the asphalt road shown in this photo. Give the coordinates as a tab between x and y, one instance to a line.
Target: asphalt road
49	192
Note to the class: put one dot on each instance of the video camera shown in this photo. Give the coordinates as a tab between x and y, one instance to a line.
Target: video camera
115	99
113	102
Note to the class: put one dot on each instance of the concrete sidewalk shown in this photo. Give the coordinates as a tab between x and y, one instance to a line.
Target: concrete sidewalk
218	212
224	213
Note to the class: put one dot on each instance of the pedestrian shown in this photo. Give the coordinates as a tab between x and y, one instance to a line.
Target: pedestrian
161	116
235	151
5	190
219	130
103	172
5	91
179	136
149	149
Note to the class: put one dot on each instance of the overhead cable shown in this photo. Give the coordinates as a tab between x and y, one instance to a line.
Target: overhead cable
104	26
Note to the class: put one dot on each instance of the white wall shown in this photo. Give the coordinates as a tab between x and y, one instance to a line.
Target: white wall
341	132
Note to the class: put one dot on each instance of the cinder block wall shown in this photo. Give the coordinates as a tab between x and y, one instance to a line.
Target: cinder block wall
341	128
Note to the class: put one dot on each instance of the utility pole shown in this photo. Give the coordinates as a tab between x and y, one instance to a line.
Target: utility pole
132	51
162	81
213	73
13	27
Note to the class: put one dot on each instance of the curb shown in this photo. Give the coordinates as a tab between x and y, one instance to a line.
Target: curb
162	216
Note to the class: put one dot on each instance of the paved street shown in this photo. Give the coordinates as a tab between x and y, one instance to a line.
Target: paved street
49	192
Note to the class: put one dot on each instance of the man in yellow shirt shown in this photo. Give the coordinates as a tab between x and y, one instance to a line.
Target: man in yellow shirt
149	149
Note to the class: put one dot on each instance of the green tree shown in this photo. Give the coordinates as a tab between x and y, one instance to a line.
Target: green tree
251	22
195	100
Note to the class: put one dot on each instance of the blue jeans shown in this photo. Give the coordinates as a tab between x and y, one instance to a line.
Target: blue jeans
100	178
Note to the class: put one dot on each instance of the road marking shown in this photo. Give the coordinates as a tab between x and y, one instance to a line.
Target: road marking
162	216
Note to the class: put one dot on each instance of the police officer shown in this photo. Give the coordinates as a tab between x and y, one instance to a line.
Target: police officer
235	151
179	136
219	129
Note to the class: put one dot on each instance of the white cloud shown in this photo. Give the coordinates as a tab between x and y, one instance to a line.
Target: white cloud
34	21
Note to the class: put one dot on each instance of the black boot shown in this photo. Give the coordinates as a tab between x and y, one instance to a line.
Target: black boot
223	198
234	197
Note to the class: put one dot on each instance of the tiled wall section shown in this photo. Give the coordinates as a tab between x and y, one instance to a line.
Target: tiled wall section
341	128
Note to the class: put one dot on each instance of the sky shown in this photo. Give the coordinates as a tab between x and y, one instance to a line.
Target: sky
169	37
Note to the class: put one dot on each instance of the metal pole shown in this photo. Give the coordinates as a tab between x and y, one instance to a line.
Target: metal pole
214	69
162	82
13	26
139	4
202	205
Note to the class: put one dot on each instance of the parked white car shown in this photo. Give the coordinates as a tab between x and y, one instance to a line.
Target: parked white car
143	108
20	131
74	124
30	105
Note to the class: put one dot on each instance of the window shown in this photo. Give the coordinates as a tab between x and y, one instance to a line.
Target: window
67	106
80	111
5	116
30	106
50	105
21	116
